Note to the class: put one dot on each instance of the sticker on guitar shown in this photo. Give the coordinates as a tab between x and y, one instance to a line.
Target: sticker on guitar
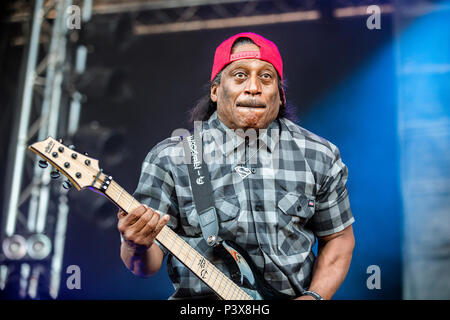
49	146
202	265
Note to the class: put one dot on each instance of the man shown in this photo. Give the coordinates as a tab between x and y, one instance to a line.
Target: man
273	209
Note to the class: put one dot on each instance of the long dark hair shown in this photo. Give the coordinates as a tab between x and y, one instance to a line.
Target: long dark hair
205	107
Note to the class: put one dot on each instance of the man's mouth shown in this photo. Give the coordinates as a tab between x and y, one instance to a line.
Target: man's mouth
250	104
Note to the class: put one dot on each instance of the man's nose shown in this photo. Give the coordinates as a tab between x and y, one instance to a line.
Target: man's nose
253	85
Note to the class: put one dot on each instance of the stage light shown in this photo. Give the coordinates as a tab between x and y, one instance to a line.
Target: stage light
14	247
39	246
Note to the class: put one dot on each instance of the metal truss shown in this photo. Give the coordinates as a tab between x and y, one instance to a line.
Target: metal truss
165	16
35	212
152	17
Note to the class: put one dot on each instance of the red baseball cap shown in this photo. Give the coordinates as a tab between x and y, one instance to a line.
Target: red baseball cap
268	51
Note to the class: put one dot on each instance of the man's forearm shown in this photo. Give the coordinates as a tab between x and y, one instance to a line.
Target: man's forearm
142	263
332	264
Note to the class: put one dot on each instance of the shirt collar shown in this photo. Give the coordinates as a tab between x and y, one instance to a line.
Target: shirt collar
227	140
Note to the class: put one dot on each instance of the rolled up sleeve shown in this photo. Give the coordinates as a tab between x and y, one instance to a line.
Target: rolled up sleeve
333	212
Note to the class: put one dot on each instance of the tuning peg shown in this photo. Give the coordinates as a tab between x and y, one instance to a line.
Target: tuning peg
43	164
86	154
60	140
54	174
72	147
67	184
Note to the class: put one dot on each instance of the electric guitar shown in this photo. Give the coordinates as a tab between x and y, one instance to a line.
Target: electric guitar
84	172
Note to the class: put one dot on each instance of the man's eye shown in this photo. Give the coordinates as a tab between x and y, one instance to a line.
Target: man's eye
240	75
266	75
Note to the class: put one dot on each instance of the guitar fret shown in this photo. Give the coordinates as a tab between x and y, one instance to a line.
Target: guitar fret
238	294
210	270
210	266
229	285
172	241
117	200
132	200
215	279
226	283
231	290
181	247
199	263
223	286
225	291
220	284
207	271
198	266
241	295
188	258
175	243
165	235
228	290
193	260
187	253
234	291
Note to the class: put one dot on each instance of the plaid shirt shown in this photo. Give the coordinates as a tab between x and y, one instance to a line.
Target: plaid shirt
296	191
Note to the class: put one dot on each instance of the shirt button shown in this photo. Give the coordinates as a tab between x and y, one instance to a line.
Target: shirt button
253	170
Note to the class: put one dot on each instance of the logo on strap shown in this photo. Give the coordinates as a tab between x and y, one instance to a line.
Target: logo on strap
200	180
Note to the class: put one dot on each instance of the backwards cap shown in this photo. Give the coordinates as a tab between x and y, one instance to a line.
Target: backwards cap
268	51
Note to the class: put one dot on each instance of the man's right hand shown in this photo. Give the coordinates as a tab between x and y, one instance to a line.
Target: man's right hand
140	227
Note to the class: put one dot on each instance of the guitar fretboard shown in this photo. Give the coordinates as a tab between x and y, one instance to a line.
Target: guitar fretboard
191	258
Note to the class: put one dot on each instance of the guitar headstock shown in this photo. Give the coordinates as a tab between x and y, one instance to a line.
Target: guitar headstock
80	169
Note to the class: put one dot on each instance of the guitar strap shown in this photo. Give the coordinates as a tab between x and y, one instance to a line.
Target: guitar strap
202	191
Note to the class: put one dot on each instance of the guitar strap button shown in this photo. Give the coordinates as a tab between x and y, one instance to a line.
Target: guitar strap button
212	240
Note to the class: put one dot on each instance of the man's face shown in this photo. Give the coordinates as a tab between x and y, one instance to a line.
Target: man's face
247	96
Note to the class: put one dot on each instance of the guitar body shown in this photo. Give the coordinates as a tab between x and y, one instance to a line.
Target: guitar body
248	278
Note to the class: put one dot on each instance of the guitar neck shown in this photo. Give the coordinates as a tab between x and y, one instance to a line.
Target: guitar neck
178	247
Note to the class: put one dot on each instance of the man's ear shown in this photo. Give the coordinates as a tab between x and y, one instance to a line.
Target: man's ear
213	93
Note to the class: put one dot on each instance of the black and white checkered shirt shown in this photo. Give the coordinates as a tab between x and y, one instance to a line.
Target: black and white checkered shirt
296	190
